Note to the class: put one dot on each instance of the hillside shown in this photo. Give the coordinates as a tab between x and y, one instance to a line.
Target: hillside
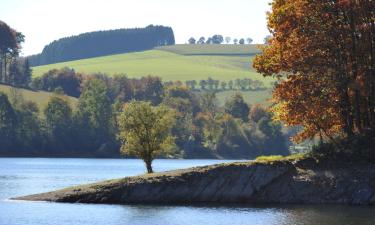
172	63
229	50
39	97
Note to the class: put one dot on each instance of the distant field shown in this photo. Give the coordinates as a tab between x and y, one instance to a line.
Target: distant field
172	63
39	97
250	97
246	50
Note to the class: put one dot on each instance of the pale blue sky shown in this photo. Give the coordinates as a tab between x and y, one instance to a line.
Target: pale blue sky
43	21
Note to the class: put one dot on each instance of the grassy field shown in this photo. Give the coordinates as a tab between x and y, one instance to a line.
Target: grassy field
172	63
39	97
180	62
250	97
230	50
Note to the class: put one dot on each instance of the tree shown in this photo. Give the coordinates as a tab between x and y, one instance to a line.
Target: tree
58	120
94	115
9	47
325	50
228	39
217	39
145	131
192	41
202	40
230	85
65	78
237	107
27	73
203	84
210	83
257	112
235	41
209	103
209	41
8	124
242	41
267	39
224	85
249	41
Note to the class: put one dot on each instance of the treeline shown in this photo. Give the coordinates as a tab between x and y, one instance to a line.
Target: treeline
101	43
203	129
219	39
245	84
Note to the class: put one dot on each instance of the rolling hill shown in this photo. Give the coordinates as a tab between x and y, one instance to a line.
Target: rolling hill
172	63
39	97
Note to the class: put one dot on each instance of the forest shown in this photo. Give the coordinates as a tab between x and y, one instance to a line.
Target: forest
202	129
101	43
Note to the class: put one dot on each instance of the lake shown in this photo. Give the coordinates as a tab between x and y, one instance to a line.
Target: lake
23	176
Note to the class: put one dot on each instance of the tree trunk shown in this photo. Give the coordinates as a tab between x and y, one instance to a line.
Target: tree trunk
5	69
357	111
149	166
1	69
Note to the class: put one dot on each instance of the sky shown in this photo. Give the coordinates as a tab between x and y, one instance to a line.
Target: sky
43	21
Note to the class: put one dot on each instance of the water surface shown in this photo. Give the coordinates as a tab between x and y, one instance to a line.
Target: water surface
22	176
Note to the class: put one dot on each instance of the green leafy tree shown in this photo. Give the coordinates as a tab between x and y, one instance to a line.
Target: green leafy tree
9	48
228	39
224	85
145	131
192	41
237	107
58	120
202	40
209	103
8	123
230	85
203	84
94	114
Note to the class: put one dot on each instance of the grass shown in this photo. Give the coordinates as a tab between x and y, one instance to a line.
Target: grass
278	158
250	97
172	63
245	50
180	62
41	98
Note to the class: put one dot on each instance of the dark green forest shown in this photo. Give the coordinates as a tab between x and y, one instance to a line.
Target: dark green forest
101	43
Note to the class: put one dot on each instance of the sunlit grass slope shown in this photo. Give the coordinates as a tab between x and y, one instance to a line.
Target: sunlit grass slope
172	63
39	97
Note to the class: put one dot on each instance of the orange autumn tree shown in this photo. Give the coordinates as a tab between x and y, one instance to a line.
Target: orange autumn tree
323	52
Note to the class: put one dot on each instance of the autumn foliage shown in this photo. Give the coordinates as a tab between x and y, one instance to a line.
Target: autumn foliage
323	52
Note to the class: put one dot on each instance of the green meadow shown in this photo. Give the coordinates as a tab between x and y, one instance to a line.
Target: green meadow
39	97
180	63
173	63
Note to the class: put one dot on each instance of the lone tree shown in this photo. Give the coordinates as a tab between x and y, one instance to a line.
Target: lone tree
145	131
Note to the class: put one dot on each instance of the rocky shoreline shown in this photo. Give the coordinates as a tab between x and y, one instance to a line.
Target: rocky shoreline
284	181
